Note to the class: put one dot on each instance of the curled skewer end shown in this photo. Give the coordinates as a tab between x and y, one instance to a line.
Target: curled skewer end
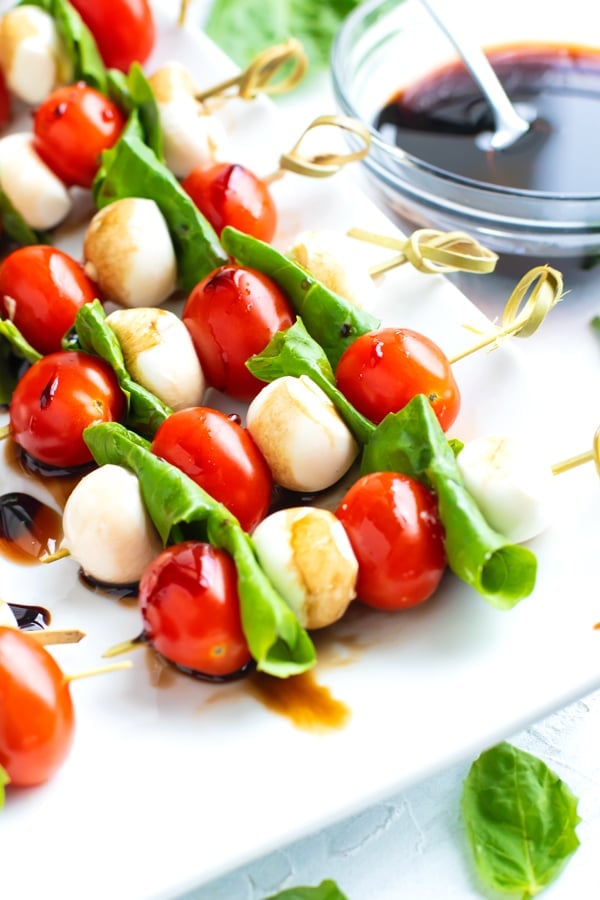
572	462
259	76
323	164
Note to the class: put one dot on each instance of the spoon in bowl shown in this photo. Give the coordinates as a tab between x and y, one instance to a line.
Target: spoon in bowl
510	125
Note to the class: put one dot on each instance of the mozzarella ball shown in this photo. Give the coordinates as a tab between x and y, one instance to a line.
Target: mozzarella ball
191	137
7	617
512	484
128	252
107	529
332	258
40	198
159	354
32	55
306	554
306	444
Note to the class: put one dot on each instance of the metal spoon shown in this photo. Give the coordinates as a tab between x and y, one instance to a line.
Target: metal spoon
509	124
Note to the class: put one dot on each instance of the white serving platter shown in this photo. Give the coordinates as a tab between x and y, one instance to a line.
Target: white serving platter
172	782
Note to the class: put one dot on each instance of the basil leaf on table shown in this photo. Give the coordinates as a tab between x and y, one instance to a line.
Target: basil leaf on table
412	442
327	890
277	641
79	42
145	412
243	30
294	352
132	169
4	780
520	820
330	319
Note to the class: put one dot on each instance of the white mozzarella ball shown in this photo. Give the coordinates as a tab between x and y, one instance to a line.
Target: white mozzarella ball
306	554
128	252
512	484
307	445
40	198
332	258
33	58
191	137
159	354
107	529
7	617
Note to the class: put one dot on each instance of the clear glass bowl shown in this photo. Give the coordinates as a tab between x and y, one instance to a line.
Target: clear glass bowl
385	46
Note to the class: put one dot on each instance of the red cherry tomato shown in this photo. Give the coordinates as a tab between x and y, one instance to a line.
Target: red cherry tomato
56	399
72	127
220	456
5	102
36	712
231	315
41	290
124	30
230	194
393	525
191	611
380	372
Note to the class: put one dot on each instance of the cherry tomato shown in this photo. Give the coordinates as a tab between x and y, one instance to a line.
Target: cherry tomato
36	712
231	315
393	524
380	372
190	607
221	456
59	396
72	127
41	290
5	102
124	30
230	194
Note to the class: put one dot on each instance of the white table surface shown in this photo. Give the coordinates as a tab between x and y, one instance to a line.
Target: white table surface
413	844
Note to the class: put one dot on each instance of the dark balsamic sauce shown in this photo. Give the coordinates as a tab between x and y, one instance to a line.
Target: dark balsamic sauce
439	118
30	618
29	529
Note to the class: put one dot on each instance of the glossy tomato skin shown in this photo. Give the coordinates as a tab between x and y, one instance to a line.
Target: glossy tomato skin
124	30
190	608
380	372
59	396
41	291
37	719
393	525
5	101
221	456
232	314
72	127
230	194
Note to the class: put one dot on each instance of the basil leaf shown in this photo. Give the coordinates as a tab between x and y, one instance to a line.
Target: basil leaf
131	169
294	352
520	820
15	226
276	639
14	350
245	29
4	780
330	319
145	411
132	93
595	323
79	42
412	442
327	890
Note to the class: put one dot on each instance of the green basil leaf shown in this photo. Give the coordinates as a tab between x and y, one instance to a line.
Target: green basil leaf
145	411
278	643
245	29
79	42
595	323
327	890
132	169
132	92
412	442
520	820
14	350
294	352
330	319
15	226
4	780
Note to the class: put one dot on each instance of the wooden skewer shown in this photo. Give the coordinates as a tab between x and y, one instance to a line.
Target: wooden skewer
47	636
101	670
572	462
